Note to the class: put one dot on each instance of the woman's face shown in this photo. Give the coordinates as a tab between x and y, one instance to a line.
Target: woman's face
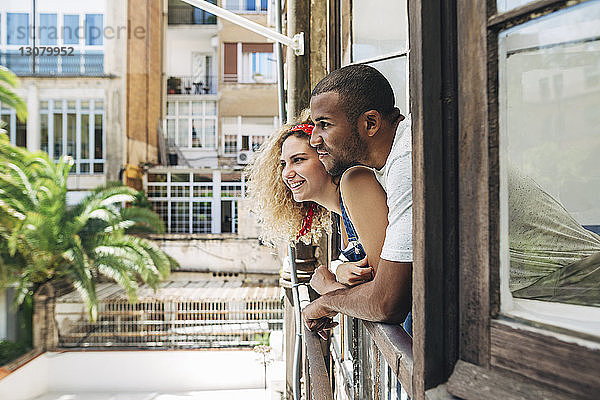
302	171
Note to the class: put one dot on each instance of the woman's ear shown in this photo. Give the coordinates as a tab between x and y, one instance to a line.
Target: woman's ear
372	122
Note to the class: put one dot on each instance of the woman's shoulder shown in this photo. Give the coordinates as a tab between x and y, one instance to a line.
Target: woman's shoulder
360	183
358	176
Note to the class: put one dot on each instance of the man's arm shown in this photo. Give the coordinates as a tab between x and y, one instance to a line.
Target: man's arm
387	298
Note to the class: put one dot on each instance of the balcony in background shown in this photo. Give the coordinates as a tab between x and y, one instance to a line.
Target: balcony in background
78	64
181	13
192	85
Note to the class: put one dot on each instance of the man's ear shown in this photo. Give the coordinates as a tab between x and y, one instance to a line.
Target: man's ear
372	122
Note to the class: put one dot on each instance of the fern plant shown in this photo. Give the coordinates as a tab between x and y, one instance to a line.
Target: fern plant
42	239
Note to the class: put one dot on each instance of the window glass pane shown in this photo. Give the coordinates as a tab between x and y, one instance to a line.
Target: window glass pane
210	133
48	29
21	134
183	138
197	133
550	135
43	105
376	33
157	191
184	108
84	168
44	132
180	177
85	136
171	132
202	217
85	105
211	108
17	28
197	108
202	177
71	133
6	123
71	33
263	5
57	104
171	108
58	135
99	105
180	191
93	29
98	168
98	136
157	177
161	208
180	217
394	70
251	5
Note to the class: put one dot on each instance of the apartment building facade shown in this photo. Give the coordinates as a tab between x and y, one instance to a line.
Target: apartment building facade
220	104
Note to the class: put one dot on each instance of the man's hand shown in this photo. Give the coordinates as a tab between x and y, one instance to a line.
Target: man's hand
353	273
318	319
323	281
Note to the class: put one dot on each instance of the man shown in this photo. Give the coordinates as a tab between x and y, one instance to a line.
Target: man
356	123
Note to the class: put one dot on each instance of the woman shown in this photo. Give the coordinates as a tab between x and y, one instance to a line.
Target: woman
293	196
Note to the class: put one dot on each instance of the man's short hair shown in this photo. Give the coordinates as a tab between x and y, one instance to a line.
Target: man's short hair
361	88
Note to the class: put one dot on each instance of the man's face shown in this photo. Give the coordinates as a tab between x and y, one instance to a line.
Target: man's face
338	142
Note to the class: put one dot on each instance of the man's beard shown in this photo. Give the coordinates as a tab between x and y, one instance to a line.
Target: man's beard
351	153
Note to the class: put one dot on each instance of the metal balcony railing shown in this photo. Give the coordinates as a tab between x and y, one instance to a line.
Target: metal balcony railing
193	85
77	64
187	15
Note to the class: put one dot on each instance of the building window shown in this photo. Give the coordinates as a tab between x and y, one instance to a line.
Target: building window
246	133
71	29
74	128
48	29
550	202
87	57
258	64
94	29
188	201
246	6
15	129
192	124
17	28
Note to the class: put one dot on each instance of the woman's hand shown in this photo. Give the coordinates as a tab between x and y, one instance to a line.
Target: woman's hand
353	273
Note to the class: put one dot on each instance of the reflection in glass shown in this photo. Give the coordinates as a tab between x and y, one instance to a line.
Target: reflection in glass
85	136
71	134
21	133
44	132
58	136
98	145
549	97
376	33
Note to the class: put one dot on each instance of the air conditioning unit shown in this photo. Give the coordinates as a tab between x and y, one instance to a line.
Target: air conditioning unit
243	157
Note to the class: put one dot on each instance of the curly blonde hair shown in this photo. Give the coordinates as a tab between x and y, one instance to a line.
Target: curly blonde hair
280	215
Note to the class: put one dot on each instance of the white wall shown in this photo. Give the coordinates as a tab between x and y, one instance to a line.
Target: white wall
134	371
221	254
181	42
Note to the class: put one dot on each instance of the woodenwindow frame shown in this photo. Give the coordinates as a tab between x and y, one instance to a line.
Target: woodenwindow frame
499	355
